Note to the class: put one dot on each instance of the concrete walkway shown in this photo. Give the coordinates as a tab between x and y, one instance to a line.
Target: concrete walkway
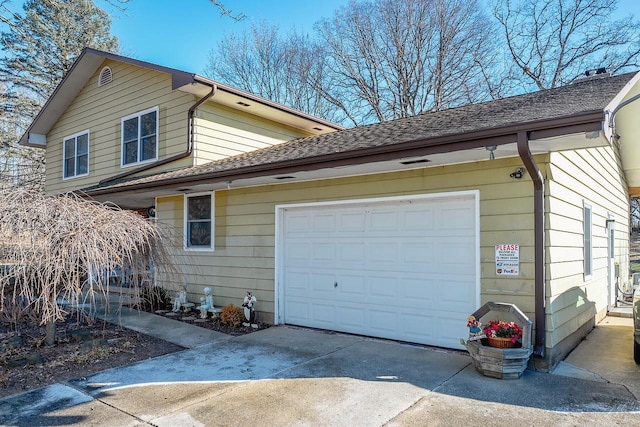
288	376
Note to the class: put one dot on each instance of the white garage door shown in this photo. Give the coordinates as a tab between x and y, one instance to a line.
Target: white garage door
399	268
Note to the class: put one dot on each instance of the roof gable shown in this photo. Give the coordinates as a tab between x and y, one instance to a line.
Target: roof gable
90	60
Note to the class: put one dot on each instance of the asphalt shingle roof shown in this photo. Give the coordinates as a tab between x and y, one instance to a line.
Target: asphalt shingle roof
586	96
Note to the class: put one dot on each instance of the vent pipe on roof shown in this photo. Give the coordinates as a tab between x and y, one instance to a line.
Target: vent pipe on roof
186	153
539	249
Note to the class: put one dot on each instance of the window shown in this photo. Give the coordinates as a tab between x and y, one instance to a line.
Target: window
76	155
199	221
140	137
588	240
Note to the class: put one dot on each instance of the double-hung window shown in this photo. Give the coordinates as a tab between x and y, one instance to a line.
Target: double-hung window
199	226
140	137
76	155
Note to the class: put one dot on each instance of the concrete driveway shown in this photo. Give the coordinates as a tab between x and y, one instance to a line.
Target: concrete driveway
288	376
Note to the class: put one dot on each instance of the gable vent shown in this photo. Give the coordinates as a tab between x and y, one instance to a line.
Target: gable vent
105	76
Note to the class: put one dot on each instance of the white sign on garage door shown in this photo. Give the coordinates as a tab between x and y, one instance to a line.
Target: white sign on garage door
401	268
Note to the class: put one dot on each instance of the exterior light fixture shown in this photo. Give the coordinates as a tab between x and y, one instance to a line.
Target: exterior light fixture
517	174
491	149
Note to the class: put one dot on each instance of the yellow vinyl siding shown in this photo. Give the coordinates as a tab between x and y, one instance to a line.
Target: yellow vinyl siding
245	230
223	132
627	127
100	109
591	176
244	257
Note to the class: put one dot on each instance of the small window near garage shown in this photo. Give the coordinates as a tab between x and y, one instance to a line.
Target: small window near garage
140	137
106	76
588	239
76	155
198	224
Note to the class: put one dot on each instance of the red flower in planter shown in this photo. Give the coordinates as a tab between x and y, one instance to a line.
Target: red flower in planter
502	329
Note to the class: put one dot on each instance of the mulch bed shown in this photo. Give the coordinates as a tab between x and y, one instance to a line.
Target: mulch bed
193	317
27	363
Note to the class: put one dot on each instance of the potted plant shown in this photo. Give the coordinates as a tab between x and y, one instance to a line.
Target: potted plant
507	360
502	334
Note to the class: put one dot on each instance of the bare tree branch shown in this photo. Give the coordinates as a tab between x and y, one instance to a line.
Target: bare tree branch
553	42
226	12
56	248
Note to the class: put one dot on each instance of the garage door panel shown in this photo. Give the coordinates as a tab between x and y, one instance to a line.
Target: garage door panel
404	269
450	331
323	315
324	252
352	318
418	219
418	292
382	220
297	283
350	221
350	286
324	222
453	296
322	285
381	289
382	252
297	251
298	310
298	223
384	322
353	252
420	254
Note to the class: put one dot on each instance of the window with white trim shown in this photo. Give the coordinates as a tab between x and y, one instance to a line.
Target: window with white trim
140	137
75	153
199	221
588	239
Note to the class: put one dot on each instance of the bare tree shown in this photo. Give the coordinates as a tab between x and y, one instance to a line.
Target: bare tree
279	68
396	59
39	47
371	61
19	166
553	42
59	247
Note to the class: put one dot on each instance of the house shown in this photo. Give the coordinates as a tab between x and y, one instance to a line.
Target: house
397	230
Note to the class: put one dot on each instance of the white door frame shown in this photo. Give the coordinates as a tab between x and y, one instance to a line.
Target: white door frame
280	210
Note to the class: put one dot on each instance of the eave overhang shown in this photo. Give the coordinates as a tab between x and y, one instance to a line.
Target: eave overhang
580	131
90	60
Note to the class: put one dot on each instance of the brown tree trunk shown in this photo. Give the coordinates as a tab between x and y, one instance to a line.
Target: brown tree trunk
51	332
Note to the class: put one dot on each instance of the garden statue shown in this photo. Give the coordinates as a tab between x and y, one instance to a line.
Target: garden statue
475	332
250	310
179	299
206	303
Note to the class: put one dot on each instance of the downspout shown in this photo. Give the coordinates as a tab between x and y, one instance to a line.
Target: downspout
539	242
186	153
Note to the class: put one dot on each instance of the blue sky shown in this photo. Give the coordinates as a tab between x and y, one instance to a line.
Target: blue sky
182	33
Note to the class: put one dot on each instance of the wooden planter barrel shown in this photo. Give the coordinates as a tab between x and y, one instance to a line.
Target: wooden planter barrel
504	363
